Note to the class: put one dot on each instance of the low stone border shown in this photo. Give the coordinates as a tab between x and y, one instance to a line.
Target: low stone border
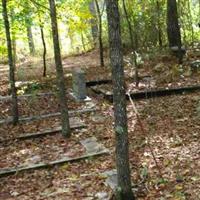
102	151
153	93
40	117
74	124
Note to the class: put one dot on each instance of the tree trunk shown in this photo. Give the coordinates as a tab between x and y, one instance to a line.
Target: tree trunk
190	22
134	58
83	42
100	34
173	29
124	191
11	64
59	71
44	51
159	24
30	39
13	40
93	22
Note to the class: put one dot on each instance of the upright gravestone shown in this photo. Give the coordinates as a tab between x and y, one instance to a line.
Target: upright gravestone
79	84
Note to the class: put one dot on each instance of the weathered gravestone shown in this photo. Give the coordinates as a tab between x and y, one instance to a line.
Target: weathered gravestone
79	84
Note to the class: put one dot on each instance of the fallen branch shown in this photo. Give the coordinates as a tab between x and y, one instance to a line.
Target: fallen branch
10	171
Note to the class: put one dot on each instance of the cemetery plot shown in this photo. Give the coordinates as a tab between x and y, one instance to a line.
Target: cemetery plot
75	123
37	105
43	153
40	127
174	137
144	93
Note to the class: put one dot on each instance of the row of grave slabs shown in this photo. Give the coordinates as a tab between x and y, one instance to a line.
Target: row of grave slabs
91	145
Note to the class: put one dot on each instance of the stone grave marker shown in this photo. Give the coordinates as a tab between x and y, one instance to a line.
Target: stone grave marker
79	84
92	146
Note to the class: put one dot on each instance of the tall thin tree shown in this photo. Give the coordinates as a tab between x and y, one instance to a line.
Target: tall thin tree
93	21
159	28
124	191
173	28
99	14
11	64
30	38
59	71
133	47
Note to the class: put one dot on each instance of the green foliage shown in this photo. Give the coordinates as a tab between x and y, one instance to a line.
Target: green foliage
74	19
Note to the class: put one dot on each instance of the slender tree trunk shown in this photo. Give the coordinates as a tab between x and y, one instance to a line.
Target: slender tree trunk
158	24
190	22
59	70
11	64
124	191
100	34
14	47
93	21
173	29
44	51
132	43
83	42
13	39
30	39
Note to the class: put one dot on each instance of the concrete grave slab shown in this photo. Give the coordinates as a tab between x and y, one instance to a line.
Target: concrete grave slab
111	179
92	146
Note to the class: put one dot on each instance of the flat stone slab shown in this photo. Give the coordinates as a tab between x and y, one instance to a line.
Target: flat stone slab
111	179
92	146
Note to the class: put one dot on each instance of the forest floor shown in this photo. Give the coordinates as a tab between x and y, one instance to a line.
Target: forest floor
171	124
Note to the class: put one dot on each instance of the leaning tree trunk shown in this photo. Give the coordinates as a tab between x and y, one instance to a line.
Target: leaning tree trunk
173	29
124	191
59	71
100	34
11	64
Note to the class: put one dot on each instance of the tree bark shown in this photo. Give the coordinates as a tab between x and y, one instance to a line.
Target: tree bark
124	191
11	64
134	56
159	24
30	39
93	21
44	51
100	34
59	72
173	29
